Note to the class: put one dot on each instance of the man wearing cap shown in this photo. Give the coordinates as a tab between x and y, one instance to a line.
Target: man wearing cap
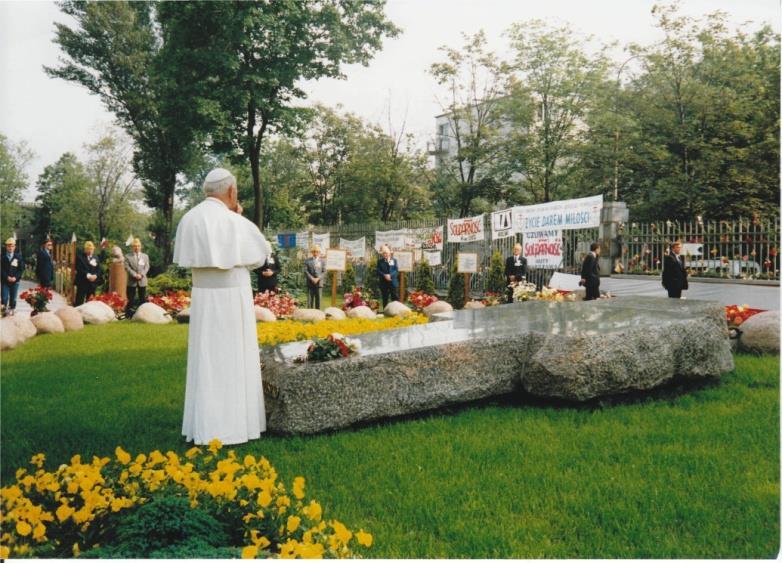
44	264
88	274
137	265
11	268
223	394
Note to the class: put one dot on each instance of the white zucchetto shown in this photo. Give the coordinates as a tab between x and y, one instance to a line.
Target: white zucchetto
217	175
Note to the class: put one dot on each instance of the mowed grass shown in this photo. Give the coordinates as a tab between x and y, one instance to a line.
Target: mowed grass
684	473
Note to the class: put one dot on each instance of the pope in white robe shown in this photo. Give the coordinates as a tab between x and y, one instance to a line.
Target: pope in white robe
223	394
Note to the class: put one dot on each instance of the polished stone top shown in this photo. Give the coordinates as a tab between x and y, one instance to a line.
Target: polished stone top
568	319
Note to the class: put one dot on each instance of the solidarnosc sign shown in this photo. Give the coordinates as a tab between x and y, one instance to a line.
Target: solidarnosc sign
543	249
467	229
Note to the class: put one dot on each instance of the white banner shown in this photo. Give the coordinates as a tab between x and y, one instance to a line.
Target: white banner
466	229
323	240
434	258
396	240
426	238
502	224
303	240
356	248
543	249
568	214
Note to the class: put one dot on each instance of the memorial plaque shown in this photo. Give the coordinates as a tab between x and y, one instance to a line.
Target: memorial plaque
336	260
467	263
404	261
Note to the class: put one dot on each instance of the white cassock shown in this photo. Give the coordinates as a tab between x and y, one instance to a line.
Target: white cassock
223	394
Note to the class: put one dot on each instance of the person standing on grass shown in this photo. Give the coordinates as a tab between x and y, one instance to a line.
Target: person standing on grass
314	269
44	264
388	276
137	265
590	272
223	394
674	271
12	268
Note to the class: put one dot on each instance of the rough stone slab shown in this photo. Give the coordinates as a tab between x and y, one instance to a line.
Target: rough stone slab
760	333
572	350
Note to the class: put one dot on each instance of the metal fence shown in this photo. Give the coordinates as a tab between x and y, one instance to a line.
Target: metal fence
737	249
575	246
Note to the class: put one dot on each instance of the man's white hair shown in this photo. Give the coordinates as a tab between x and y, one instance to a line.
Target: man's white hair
218	181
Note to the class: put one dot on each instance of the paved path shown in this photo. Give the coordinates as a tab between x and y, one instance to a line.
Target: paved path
756	296
22	308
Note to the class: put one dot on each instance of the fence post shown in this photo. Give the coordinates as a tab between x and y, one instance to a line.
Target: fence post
614	213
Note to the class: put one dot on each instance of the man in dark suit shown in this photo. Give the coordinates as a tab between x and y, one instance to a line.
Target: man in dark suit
674	272
44	264
88	273
11	269
515	269
315	270
267	274
388	276
590	273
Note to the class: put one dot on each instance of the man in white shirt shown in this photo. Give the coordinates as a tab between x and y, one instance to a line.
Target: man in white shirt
223	395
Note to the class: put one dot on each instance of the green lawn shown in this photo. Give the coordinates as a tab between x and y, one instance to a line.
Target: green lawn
683	474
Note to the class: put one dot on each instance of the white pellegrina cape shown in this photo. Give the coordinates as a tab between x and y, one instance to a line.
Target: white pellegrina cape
223	395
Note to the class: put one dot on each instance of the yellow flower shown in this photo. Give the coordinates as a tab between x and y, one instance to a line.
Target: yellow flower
122	456
342	533
288	549
261	541
39	532
192	452
250	552
249	461
64	512
215	445
23	528
310	551
283	501
364	538
298	487
312	511
293	523
38	460
5	552
76	550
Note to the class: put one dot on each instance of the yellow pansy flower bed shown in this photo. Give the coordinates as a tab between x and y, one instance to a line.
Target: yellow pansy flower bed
279	332
55	514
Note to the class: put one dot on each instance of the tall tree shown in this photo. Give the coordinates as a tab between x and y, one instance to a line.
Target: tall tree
243	62
14	158
556	77
65	204
115	51
476	82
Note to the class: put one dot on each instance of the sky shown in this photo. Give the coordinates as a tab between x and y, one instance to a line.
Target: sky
54	116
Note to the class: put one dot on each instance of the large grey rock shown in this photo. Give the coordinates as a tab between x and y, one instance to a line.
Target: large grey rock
25	329
96	313
571	350
9	337
362	312
264	315
760	333
309	315
151	314
71	318
437	308
47	323
397	309
335	314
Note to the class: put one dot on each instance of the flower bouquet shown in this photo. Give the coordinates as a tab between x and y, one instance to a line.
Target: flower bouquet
419	300
332	347
359	297
524	291
737	314
172	301
38	298
113	300
282	304
491	298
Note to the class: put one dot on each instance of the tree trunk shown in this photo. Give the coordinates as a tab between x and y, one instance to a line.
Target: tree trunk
164	237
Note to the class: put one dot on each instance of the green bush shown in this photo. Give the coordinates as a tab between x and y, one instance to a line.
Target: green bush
164	527
348	279
423	277
371	282
173	279
496	282
456	289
